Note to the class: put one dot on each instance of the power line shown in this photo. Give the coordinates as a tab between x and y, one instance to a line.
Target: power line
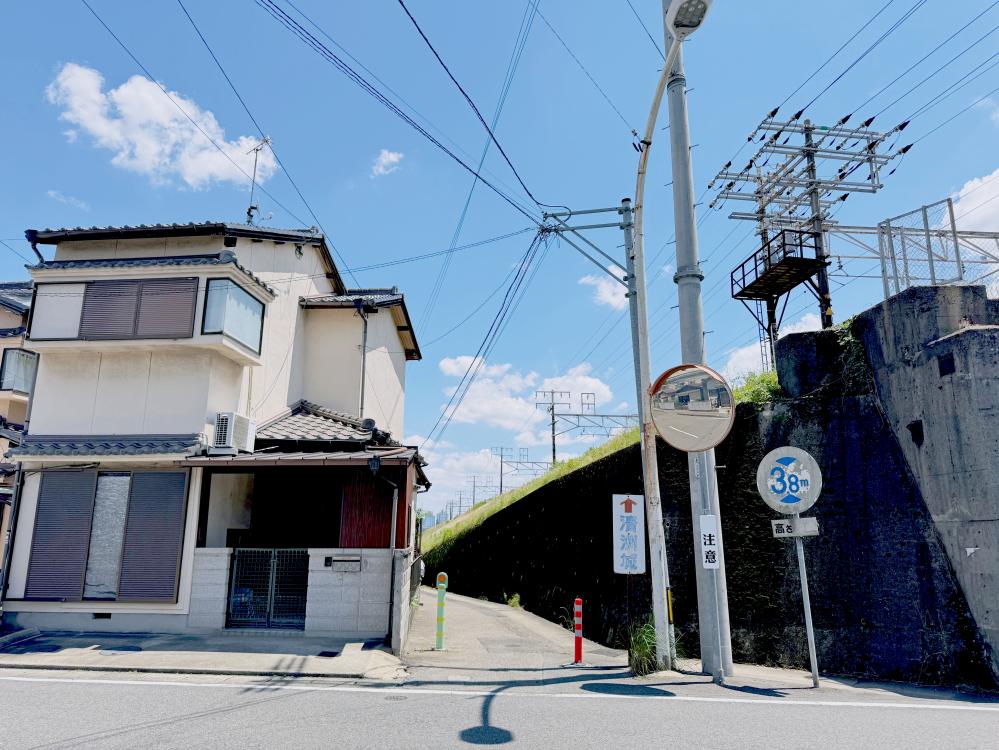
475	109
522	34
337	62
183	111
891	29
592	80
646	30
922	59
17	253
260	130
322	32
488	341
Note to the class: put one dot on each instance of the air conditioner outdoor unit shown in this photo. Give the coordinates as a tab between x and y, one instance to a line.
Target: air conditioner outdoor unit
234	433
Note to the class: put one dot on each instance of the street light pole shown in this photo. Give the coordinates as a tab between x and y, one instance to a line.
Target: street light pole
712	591
662	606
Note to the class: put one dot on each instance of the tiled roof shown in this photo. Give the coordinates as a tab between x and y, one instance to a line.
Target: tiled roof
308	421
52	236
368	297
15	295
227	257
104	445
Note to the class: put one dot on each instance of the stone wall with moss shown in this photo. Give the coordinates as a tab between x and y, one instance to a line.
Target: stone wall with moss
886	601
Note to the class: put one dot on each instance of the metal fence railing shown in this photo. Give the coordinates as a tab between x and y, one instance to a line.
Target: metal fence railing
925	247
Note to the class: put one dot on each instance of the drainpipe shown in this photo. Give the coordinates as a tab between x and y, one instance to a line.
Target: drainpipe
31	235
359	306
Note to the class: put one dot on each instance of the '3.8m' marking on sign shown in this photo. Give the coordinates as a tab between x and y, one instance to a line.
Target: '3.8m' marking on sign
789	480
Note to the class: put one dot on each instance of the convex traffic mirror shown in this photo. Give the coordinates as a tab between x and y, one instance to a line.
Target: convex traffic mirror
692	407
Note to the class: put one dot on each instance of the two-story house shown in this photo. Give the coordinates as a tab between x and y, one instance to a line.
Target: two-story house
212	438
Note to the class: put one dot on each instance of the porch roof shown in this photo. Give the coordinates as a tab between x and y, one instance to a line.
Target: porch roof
392	457
307	421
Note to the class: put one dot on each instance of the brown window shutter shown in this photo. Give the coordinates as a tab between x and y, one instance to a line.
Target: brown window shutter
154	535
61	539
166	309
109	309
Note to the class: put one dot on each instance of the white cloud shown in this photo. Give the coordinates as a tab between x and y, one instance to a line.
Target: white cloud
606	291
976	204
386	162
579	380
746	360
69	200
150	136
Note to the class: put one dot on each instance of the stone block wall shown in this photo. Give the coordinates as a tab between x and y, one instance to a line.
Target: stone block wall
209	588
352	603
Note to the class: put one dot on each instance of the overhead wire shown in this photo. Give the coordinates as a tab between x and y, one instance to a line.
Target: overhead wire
337	62
646	30
587	73
523	32
260	130
472	104
184	112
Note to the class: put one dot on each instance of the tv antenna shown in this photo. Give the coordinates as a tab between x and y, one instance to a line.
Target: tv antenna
253	207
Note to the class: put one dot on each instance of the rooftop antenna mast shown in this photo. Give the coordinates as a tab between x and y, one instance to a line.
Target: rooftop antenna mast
253	207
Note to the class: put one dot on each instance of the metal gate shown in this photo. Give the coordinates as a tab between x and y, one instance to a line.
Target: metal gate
267	588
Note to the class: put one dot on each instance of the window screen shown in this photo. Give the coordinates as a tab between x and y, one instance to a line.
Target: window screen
61	535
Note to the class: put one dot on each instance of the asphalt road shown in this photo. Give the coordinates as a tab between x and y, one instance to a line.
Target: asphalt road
602	710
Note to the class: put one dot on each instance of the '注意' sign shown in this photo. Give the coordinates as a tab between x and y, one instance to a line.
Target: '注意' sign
709	541
629	534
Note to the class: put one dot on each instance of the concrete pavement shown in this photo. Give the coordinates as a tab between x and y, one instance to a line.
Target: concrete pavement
272	654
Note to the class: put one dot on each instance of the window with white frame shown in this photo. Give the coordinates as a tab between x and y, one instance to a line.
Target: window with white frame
234	312
17	372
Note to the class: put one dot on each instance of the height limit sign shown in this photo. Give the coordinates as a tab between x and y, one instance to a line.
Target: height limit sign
629	533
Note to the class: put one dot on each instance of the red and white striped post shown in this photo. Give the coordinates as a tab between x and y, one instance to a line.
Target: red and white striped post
578	616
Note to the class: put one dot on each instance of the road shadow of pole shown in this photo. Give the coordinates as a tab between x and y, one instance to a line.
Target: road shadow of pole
486	733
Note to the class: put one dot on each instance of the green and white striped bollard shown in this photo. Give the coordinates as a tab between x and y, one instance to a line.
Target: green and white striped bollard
441	590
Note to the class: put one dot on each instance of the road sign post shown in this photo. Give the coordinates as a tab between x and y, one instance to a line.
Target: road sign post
789	481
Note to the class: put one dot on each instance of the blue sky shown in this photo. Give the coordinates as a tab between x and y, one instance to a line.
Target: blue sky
384	192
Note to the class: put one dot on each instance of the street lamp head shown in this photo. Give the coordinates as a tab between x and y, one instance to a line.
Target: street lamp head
684	17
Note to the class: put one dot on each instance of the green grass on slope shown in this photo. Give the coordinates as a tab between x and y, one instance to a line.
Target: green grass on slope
481	511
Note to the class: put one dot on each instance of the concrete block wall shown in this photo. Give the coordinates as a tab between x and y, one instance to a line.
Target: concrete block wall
209	588
934	352
402	606
349	603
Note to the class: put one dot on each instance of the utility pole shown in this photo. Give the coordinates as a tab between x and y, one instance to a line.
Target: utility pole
662	605
503	454
712	591
822	277
550	400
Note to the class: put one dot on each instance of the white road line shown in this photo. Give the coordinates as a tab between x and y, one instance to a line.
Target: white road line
690	434
989	708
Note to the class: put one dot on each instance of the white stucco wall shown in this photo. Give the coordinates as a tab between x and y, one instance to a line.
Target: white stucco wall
333	359
229	506
385	374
